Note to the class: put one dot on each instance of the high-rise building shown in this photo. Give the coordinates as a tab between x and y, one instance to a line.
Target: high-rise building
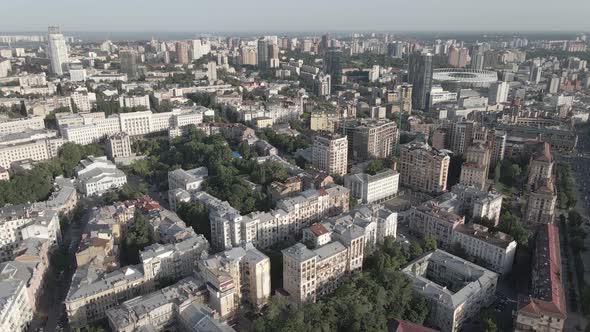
535	75
461	136
459	57
263	54
395	49
248	56
474	170
129	60
477	61
273	54
370	138
420	76
330	153
498	93
333	65
196	49
57	50
212	71
182	53
423	168
554	84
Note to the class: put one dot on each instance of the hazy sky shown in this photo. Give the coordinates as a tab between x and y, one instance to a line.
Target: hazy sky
296	15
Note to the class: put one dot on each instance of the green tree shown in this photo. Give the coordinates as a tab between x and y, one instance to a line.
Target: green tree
196	215
415	249
489	325
374	166
429	243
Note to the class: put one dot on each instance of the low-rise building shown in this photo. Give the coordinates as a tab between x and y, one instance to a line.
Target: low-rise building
97	175
189	180
454	288
432	219
372	188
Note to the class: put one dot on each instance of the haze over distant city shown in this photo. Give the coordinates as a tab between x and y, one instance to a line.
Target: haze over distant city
303	15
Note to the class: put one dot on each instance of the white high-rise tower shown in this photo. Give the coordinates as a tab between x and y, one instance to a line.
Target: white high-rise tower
58	50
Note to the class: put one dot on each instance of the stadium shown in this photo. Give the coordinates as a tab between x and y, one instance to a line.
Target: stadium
466	78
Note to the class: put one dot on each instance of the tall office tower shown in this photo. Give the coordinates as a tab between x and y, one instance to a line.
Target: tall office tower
262	54
212	71
498	92
395	49
182	53
324	45
333	65
535	75
329	153
129	60
420	76
477	61
554	84
273	54
57	50
196	49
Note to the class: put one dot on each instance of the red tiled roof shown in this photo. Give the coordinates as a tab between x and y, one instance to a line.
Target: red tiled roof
318	229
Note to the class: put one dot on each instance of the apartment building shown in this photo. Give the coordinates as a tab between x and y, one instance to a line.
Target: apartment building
495	251
475	203
369	138
372	188
541	202
309	274
30	266
461	136
118	146
15	311
432	219
330	153
324	121
21	222
159	310
93	291
240	274
263	229
474	171
97	175
541	164
455	289
189	180
376	222
544	309
423	168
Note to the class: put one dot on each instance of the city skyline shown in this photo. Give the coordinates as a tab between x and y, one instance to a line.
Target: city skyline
234	16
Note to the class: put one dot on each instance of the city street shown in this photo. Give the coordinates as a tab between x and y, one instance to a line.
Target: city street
50	314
